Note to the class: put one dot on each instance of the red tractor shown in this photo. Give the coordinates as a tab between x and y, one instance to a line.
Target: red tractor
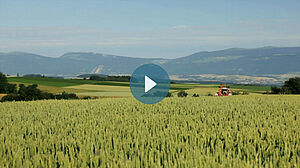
224	91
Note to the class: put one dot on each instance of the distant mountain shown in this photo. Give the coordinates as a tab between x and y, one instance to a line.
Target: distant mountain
266	60
70	63
106	64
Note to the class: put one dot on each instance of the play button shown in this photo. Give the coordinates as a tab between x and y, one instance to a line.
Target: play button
149	83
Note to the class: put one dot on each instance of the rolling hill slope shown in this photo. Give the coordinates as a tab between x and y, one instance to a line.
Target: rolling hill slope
266	60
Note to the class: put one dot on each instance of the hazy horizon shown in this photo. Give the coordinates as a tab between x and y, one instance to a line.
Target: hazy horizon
156	29
122	55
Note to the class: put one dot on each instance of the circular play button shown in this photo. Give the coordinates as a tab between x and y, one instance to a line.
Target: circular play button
149	83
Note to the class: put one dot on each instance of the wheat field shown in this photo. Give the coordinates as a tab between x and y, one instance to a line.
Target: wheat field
237	131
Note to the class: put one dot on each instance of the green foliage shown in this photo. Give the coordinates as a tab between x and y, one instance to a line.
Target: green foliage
11	97
26	93
182	93
239	93
111	78
209	94
195	95
86	97
31	92
11	88
292	85
169	94
3	83
33	76
236	92
65	95
276	90
6	87
236	131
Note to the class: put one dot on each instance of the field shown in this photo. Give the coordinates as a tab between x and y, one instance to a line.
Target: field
120	89
102	90
236	131
116	130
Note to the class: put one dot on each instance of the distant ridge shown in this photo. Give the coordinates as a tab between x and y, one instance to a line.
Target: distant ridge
264	60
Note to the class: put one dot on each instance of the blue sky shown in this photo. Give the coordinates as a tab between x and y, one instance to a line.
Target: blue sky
144	28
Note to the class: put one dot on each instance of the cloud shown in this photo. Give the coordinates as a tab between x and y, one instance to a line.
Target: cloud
180	27
174	41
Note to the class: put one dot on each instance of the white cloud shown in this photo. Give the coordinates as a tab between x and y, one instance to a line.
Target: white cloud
175	41
180	27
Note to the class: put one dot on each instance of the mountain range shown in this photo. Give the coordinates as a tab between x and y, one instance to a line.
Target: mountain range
257	61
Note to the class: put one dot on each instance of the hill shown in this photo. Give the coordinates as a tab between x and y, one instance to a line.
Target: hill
266	60
69	63
235	61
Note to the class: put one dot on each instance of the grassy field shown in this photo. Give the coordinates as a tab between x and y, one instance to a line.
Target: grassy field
236	131
120	89
102	90
63	82
80	87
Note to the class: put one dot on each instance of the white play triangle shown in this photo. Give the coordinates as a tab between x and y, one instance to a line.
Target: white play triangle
149	84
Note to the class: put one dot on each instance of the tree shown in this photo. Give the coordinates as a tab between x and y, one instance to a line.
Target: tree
275	90
65	95
30	92
11	88
292	85
3	83
169	94
182	94
195	95
11	97
209	94
86	97
98	78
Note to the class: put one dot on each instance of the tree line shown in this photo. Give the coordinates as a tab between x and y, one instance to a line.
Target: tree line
111	78
28	93
291	86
